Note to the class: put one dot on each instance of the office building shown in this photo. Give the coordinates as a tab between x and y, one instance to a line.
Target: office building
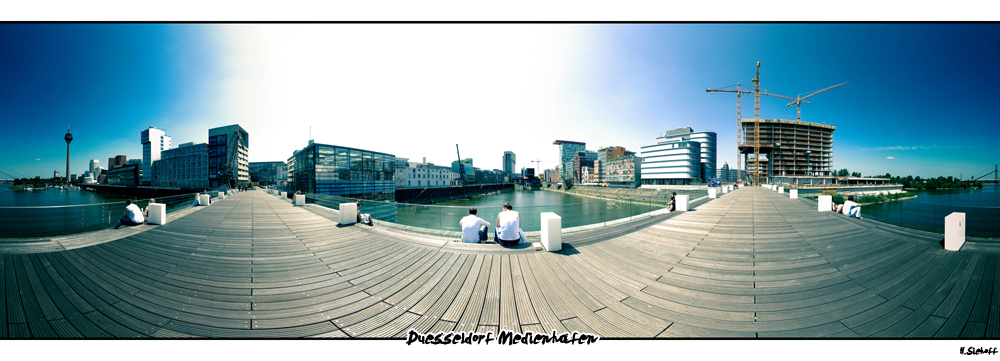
792	149
567	151
126	175
624	171
342	171
55	174
679	157
72	177
509	162
95	166
268	173
422	175
228	156
117	161
154	142
183	167
583	158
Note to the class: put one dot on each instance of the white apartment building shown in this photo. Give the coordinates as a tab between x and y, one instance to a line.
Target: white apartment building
154	142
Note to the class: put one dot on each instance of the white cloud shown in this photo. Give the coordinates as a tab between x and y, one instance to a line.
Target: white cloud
890	157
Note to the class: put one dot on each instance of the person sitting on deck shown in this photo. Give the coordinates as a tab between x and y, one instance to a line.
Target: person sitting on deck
197	200
508	226
852	209
145	212
132	216
472	224
672	206
365	219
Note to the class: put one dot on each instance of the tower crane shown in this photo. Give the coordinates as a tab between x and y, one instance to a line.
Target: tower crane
461	167
739	117
799	100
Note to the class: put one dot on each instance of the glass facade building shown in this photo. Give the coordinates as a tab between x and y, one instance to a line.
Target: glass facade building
567	151
342	171
127	175
509	162
183	167
679	157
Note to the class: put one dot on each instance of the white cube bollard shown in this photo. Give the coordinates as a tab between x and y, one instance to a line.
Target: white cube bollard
222	195
205	199
793	193
711	193
157	213
681	202
825	203
954	231
725	189
551	232
300	199
284	195
781	189
348	213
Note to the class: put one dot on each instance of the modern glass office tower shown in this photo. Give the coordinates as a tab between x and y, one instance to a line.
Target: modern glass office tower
679	157
183	167
342	171
509	162
154	142
228	156
567	151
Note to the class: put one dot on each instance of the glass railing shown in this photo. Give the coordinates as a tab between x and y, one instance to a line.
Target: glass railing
980	221
423	217
26	222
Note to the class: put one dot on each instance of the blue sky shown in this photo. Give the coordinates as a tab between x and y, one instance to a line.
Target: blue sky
923	94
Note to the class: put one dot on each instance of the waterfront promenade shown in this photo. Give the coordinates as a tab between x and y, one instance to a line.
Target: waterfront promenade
750	264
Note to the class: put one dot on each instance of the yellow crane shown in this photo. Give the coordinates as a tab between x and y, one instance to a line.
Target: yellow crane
739	122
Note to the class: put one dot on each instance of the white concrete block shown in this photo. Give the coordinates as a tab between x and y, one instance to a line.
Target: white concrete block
222	195
725	189
157	213
825	203
300	200
793	193
781	189
206	199
954	231
551	232
711	193
348	213
284	195
681	202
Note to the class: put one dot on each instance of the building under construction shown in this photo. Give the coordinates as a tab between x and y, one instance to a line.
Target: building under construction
796	151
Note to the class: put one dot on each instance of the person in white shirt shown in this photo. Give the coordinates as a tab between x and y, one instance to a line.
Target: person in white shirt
852	209
474	229
508	226
132	216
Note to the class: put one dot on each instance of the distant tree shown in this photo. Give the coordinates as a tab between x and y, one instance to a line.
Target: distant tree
842	173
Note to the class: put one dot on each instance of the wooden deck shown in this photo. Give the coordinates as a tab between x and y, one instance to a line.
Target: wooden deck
750	264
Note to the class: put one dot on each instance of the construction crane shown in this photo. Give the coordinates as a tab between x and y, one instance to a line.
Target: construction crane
799	100
461	167
538	168
739	117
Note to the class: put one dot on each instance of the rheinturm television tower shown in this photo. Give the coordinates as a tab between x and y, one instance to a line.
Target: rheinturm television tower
68	138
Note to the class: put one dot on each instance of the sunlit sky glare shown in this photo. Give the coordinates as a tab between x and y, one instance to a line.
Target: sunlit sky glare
921	98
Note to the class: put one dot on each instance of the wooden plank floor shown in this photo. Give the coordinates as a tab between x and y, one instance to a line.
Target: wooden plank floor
750	264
